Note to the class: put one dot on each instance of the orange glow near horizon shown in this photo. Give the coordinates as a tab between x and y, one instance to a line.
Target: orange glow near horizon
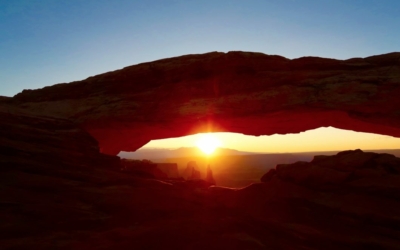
208	143
321	139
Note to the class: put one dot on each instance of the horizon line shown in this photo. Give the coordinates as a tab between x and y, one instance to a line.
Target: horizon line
264	152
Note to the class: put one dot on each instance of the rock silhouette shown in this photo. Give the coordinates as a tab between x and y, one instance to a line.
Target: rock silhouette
242	92
143	168
191	172
209	176
341	169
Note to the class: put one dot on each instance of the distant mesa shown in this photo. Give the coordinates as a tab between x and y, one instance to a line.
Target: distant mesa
156	154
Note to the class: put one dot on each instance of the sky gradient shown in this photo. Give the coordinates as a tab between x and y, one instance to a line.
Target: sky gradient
47	42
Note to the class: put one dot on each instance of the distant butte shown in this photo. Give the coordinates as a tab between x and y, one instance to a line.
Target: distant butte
243	92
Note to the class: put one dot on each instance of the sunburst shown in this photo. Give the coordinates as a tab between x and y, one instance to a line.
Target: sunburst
208	143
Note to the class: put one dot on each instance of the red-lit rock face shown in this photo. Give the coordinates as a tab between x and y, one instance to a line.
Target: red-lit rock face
243	92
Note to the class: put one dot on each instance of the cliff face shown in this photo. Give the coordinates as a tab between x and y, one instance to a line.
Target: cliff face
242	92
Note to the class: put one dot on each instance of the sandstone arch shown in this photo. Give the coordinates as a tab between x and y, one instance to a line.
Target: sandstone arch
243	92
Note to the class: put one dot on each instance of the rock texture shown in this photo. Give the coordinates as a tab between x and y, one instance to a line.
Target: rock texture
244	92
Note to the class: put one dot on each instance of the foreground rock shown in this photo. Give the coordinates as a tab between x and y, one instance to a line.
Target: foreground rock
350	199
345	168
243	92
58	192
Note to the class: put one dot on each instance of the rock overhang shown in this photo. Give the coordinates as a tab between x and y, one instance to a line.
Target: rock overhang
242	92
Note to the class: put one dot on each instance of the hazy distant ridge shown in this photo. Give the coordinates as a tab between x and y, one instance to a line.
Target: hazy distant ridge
162	153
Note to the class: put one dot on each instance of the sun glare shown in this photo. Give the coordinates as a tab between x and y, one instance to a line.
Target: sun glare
208	143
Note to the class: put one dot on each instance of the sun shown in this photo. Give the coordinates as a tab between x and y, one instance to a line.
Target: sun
208	143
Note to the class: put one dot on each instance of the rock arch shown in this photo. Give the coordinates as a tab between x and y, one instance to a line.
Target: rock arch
242	92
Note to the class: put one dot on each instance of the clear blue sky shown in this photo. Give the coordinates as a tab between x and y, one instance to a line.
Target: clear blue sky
44	42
